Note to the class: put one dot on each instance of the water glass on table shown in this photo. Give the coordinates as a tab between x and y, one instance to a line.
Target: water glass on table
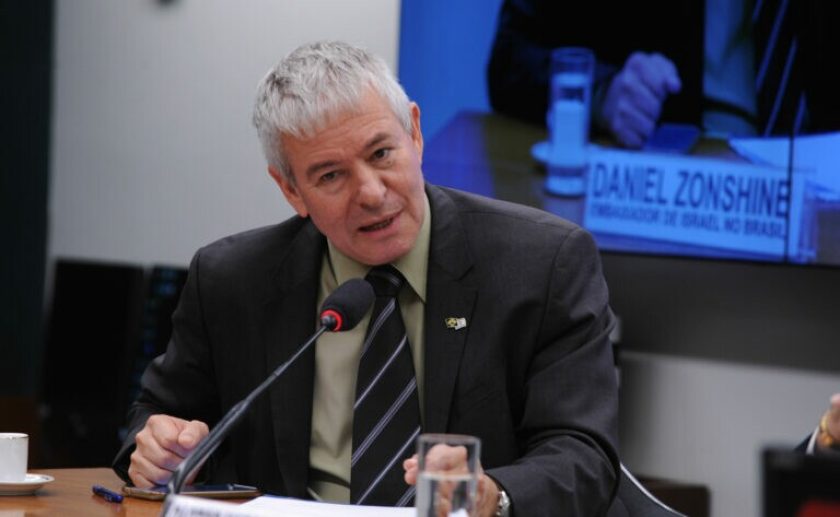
570	98
448	471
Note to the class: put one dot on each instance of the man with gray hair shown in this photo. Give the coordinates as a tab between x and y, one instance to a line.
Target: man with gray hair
500	314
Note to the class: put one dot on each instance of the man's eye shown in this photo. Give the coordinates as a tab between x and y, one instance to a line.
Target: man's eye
381	154
328	177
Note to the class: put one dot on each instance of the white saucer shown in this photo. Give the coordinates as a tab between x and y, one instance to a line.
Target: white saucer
539	151
28	486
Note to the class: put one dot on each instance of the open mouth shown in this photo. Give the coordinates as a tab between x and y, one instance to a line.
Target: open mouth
378	226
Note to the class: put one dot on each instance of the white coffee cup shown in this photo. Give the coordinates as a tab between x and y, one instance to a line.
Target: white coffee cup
14	450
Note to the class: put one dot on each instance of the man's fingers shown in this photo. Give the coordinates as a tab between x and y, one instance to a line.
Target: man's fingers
191	435
833	421
656	72
444	458
631	128
635	97
487	495
632	94
443	501
146	471
138	479
176	435
665	74
157	455
410	466
410	462
162	445
165	429
450	463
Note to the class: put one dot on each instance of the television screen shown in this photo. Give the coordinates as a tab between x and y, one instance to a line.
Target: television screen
716	134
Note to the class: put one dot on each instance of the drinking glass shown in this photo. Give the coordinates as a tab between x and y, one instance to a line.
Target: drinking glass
570	98
447	480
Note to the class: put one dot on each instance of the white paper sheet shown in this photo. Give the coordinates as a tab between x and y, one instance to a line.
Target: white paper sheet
814	153
298	508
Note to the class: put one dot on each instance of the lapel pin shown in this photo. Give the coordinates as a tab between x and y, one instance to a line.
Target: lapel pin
456	323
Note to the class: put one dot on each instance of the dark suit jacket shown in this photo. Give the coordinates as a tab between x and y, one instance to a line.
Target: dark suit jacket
531	375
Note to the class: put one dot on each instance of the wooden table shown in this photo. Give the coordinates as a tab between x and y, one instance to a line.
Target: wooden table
70	495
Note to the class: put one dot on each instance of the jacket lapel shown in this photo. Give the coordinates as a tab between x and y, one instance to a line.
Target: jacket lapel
449	295
289	320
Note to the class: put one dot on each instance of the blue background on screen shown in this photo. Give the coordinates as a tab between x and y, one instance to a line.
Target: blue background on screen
444	48
443	55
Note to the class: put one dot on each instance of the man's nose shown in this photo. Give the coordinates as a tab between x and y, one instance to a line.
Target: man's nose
371	188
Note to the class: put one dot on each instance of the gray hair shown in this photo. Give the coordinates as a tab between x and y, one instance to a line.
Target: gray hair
315	82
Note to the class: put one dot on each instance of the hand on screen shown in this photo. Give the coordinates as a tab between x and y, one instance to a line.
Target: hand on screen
832	420
161	446
634	98
443	458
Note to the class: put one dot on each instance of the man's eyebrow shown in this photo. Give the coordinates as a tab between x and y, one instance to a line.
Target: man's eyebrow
315	167
377	139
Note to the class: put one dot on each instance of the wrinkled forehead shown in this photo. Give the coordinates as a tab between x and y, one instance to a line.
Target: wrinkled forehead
329	111
326	114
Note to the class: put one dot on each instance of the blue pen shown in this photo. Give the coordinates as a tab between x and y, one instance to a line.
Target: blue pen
108	495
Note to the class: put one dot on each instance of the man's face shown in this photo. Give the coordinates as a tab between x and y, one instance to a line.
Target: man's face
359	179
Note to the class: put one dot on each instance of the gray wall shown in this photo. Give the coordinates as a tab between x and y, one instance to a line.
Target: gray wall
153	155
704	421
721	359
153	149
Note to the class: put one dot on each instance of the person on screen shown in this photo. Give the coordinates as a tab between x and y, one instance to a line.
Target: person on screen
504	308
826	437
760	68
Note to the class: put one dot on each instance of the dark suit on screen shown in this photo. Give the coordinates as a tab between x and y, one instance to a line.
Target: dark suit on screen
531	375
528	30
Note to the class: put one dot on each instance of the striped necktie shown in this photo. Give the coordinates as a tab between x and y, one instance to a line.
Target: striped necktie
778	82
386	413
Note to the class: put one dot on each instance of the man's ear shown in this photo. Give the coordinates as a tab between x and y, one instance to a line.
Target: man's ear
290	191
416	134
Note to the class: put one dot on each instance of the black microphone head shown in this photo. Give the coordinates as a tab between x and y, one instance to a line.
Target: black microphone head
347	305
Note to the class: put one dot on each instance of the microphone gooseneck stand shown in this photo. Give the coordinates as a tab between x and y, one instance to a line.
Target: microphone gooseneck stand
341	311
212	441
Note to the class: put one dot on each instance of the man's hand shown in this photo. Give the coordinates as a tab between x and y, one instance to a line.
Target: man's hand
162	445
453	460
832	422
834	416
634	98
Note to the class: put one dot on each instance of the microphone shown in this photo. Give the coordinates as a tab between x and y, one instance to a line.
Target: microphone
342	310
347	305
